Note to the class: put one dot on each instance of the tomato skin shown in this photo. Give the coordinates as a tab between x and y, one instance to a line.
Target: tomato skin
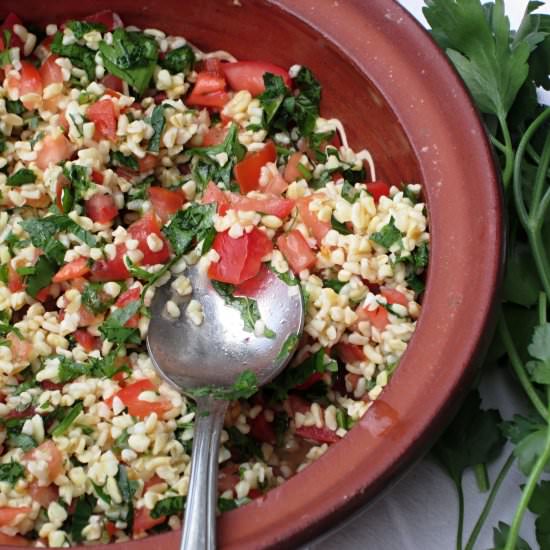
129	395
263	430
214	136
111	529
101	208
317	227
378	189
312	379
349	353
20	349
53	150
228	477
393	296
11	20
126	298
111	270
248	75
15	540
43	495
29	82
165	202
247	171
295	249
291	172
319	435
214	194
97	177
15	281
259	245
209	91
48	451
139	230
50	71
104	115
378	317
86	340
72	270
144	521
9	513
112	82
147	163
276	206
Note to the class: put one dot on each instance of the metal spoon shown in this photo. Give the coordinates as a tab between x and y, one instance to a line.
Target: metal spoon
215	354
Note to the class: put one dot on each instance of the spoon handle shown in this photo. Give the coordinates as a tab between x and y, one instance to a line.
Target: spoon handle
199	529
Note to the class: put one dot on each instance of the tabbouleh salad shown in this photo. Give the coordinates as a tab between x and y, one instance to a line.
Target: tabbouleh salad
125	156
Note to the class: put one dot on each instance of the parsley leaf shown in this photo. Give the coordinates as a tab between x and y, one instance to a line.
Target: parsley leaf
500	536
42	274
288	346
95	299
21	177
21	441
113	328
157	122
11	472
128	489
70	416
243	446
79	177
80	517
70	370
180	60
342	228
80	28
388	235
125	161
101	493
132	56
15	107
168	506
244	387
80	56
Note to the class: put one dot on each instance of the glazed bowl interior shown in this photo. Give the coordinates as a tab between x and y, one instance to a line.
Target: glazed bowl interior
397	96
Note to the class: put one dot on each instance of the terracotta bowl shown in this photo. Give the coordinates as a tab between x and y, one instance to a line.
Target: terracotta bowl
398	96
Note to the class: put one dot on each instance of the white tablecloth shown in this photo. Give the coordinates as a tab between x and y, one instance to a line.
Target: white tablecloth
420	511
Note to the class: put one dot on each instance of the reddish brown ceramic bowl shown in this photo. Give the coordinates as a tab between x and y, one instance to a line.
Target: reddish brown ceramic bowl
397	95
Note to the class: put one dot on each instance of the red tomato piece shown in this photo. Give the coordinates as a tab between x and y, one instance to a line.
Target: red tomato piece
312	379
126	298
296	250
111	529
49	452
144	521
247	171
14	540
276	206
42	295
43	495
248	75
166	202
15	281
97	177
209	91
259	245
394	296
349	353
104	115
319	435
8	514
212	65
111	270
50	71
53	150
148	225
20	349
317	227
263	430
291	172
29	82
101	208
214	194
378	189
8	24
147	163
72	270
228	477
112	82
214	136
232	254
86	340
130	397
378	317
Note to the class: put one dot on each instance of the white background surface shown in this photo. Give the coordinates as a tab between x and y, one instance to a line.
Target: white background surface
420	511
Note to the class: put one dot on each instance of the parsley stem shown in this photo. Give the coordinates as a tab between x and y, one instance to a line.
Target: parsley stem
482	477
508	152
540	177
542	308
489	502
497	144
460	526
518	367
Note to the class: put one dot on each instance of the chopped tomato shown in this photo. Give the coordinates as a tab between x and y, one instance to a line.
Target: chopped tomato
349	353
165	201
29	82
104	115
214	136
240	259
155	480
42	295
101	208
124	299
209	91
136	407
140	230
144	521
72	270
112	82
97	177
378	317
53	150
147	163
111	529
378	189
86	317
20	349
262	430
212	65
8	24
274	183
291	172
15	281
249	75
317	227
86	340
394	296
49	452
8	514
50	71
111	270
106	17
298	404
276	206
247	171
14	540
296	250
214	194
313	378
228	477
43	495
319	435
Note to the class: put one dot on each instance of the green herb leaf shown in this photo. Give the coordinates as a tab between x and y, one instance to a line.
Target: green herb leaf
80	517
126	161
349	192
14	107
500	536
244	387
388	235
70	370
101	493
79	176
168	507
157	122
247	307
80	28
80	56
341	227
288	347
113	328
11	472
21	441
43	271
69	418
180	60
95	299
128	489
243	446
227	504
21	177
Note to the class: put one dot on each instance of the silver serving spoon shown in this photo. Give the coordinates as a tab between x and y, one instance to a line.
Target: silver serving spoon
215	354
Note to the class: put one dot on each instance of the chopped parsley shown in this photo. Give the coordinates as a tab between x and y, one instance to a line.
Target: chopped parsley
113	328
41	276
21	177
180	60
349	192
125	161
168	506
157	122
11	472
80	56
127	489
70	416
388	235
70	370
79	178
80	28
288	347
342	228
80	517
95	299
244	386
